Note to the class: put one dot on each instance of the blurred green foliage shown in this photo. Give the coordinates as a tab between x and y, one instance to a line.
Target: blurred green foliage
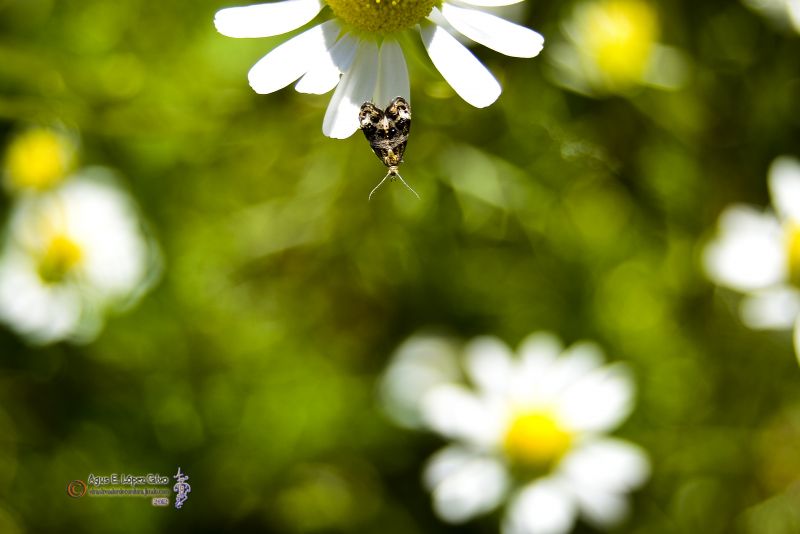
253	364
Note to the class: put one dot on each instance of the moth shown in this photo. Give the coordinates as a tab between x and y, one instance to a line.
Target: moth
387	133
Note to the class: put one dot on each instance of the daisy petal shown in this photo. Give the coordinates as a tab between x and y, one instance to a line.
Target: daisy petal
494	32
543	507
784	187
748	254
324	75
599	401
462	70
609	465
464	485
773	308
356	87
489	363
392	74
266	20
488	3
419	364
292	59
456	412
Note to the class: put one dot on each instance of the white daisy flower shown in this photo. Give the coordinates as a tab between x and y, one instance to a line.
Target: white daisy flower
70	255
530	431
360	43
758	253
612	47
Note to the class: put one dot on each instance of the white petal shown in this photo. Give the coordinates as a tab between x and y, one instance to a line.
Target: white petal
774	308
456	412
489	364
543	507
265	20
392	74
494	32
356	87
486	3
607	464
418	365
748	253
465	74
599	401
464	485
538	353
292	59
324	75
784	186
573	365
600	508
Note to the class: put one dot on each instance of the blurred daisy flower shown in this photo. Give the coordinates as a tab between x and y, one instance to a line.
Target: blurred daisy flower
758	253
38	159
70	255
783	12
529	430
360	43
612	47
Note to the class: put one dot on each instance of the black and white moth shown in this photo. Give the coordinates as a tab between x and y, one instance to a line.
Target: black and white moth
387	132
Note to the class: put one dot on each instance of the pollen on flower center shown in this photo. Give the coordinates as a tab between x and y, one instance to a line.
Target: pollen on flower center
620	35
60	257
382	16
535	439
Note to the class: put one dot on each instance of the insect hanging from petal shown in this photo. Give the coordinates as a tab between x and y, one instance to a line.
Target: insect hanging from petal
387	132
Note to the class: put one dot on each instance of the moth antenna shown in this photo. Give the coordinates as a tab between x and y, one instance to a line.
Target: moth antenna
390	173
405	184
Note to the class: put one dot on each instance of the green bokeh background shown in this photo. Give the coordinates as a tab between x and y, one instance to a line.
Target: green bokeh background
253	364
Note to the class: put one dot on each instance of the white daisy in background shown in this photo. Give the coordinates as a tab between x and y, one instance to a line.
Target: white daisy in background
38	159
360	43
758	253
612	47
529	431
70	255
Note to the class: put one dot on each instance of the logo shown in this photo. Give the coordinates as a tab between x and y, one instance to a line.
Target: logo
181	488
76	489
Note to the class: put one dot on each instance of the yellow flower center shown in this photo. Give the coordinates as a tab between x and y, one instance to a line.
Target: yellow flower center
382	16
37	159
792	241
60	257
535	439
620	37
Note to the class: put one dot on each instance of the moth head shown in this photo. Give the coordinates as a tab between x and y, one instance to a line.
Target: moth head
369	115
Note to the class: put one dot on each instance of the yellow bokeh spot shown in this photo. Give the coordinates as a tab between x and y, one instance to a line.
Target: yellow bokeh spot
59	259
793	251
535	439
380	18
620	35
38	159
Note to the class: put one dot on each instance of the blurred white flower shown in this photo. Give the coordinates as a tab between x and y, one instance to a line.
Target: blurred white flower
758	253
70	255
530	430
783	12
360	42
612	47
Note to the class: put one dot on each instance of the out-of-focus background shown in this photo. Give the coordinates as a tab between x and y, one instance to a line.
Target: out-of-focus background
578	204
